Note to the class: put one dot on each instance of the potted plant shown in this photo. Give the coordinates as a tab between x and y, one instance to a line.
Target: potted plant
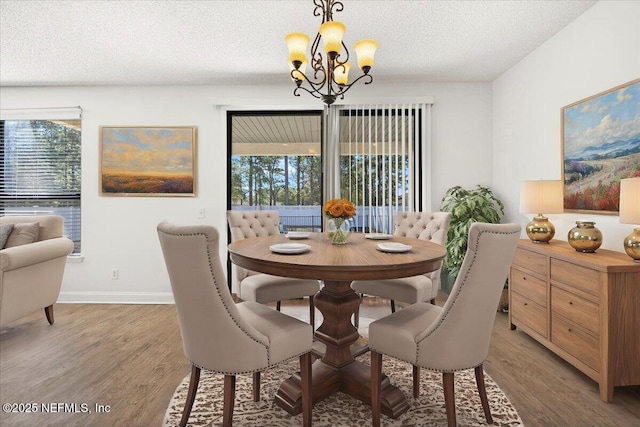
466	207
503	305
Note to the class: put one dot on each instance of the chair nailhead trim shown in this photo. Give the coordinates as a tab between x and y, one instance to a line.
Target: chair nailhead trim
270	365
473	260
220	295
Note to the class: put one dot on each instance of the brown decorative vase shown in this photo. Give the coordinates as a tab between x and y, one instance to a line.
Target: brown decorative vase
585	237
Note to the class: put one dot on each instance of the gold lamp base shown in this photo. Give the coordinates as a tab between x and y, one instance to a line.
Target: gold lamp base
632	244
540	230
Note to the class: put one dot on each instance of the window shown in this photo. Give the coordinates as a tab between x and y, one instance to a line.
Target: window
40	170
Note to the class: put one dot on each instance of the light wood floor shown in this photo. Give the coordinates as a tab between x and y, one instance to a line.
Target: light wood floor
130	358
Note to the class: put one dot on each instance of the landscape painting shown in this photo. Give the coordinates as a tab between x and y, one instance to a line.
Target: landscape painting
148	161
601	146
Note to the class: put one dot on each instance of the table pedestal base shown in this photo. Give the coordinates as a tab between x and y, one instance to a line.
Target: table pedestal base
337	343
353	379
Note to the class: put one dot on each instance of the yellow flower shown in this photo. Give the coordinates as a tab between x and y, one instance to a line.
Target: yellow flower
339	208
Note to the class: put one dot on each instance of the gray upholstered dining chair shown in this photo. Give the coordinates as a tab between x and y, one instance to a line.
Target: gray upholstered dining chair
432	226
260	287
456	336
219	335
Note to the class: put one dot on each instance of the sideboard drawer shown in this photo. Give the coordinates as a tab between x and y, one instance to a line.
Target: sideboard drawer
531	261
529	313
575	341
529	286
579	310
581	278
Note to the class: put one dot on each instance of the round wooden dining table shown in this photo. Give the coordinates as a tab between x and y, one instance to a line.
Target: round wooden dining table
337	266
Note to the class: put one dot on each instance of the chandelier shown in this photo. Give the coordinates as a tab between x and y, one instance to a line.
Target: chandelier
330	76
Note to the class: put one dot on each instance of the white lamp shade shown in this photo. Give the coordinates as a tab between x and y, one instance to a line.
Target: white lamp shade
341	73
630	200
365	51
332	33
297	45
541	197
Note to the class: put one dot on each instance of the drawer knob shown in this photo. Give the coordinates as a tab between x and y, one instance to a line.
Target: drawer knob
569	329
526	303
570	302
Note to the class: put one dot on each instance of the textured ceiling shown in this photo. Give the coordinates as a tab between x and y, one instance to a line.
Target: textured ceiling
242	42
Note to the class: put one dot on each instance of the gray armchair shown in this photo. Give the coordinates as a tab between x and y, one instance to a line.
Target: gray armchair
31	274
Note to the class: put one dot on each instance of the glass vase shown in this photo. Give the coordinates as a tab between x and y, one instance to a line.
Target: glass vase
338	230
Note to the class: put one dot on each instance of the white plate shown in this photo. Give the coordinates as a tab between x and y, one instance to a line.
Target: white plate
378	236
298	235
393	247
289	248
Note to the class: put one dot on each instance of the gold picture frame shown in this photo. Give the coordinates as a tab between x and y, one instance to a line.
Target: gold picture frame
157	161
600	146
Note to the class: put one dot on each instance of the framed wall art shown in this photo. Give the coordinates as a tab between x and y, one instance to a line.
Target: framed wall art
148	161
600	146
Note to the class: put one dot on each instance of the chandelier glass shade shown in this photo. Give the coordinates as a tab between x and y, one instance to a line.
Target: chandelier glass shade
328	77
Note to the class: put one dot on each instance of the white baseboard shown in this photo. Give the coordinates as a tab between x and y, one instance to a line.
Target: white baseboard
116	298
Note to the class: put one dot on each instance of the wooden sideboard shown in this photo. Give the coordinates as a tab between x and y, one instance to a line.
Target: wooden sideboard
585	307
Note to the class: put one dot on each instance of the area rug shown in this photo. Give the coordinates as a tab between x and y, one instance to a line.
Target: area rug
341	410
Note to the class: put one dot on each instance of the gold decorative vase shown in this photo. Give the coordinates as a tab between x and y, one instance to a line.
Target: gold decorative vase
632	245
540	229
585	237
338	230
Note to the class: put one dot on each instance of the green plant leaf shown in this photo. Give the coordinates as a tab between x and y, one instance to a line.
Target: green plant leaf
467	207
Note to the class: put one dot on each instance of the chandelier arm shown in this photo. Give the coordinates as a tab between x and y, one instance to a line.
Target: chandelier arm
318	68
338	64
347	58
344	88
332	79
316	86
314	47
315	94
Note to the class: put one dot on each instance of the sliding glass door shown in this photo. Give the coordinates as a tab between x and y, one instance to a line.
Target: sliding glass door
292	161
382	152
276	164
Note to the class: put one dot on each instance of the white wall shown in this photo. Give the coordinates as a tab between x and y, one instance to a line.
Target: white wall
119	232
491	134
596	52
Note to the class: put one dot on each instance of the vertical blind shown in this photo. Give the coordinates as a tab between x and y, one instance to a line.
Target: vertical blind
40	166
384	152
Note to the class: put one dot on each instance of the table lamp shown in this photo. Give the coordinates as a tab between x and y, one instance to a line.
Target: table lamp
630	214
541	197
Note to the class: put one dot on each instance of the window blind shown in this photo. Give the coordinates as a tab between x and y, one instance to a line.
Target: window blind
40	169
384	152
